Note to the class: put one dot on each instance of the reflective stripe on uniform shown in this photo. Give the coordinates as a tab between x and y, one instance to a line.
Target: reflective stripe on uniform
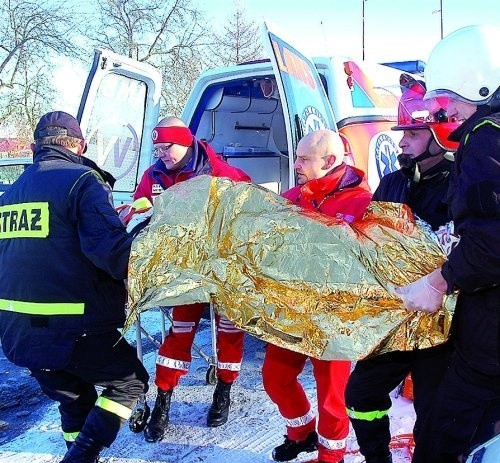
70	436
227	326
229	366
366	416
88	172
43	308
182	327
332	444
301	420
486	122
114	407
172	363
26	220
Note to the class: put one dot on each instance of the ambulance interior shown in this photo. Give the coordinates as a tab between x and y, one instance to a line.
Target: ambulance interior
243	121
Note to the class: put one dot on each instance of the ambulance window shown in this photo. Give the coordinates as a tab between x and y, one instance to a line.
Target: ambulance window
115	128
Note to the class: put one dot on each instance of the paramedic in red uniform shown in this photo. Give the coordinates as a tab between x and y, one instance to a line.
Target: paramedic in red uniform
181	157
327	185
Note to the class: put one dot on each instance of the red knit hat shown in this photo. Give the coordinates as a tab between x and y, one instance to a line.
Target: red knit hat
178	135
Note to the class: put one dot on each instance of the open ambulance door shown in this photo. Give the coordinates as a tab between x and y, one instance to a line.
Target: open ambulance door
118	111
305	104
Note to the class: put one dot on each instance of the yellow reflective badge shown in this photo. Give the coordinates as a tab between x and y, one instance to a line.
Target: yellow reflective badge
26	220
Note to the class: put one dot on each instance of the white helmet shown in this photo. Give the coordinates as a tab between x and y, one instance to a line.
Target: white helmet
465	64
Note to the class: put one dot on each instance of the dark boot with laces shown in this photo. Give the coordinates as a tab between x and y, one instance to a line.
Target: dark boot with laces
155	429
290	449
219	410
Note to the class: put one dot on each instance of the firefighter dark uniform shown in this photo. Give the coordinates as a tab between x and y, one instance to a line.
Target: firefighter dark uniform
343	193
64	255
467	405
367	393
426	163
425	197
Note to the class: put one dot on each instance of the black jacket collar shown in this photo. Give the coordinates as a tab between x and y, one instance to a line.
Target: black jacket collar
52	152
468	125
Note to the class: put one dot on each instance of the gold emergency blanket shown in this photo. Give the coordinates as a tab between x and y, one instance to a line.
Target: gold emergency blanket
297	279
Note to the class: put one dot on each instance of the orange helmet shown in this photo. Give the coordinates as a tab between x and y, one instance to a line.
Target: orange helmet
415	113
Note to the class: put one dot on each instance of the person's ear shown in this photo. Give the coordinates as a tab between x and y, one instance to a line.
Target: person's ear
32	148
82	147
329	161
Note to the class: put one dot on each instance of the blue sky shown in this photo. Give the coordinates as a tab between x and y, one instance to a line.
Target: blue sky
394	29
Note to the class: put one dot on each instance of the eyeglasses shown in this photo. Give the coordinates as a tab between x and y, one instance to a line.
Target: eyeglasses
157	150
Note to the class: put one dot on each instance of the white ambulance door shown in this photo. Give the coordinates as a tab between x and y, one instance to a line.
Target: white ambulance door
118	110
305	103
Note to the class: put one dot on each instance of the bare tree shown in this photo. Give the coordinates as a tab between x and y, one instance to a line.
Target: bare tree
31	33
165	33
240	40
168	34
146	29
31	98
180	75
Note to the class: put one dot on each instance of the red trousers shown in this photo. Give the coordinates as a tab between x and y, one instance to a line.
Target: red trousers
174	356
280	372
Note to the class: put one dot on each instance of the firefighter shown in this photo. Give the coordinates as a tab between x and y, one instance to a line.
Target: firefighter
64	257
465	67
181	157
426	164
325	184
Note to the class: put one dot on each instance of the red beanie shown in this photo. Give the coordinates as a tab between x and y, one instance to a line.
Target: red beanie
178	135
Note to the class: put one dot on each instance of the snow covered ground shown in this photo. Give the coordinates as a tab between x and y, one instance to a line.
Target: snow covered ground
30	433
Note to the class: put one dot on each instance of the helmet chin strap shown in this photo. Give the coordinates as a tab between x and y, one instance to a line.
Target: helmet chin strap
411	166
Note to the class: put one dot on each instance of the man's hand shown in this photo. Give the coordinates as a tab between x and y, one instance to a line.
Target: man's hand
425	294
138	218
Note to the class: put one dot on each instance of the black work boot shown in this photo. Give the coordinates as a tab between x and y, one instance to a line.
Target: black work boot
139	419
219	410
155	429
83	450
290	449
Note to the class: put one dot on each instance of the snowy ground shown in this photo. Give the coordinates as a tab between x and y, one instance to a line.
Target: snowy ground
30	433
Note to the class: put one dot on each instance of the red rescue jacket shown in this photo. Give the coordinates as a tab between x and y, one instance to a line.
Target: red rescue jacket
158	178
343	193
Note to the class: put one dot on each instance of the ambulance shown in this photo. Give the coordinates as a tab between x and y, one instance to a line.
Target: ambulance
252	114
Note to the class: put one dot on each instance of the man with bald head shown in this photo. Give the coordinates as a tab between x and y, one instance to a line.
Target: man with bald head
325	184
181	157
